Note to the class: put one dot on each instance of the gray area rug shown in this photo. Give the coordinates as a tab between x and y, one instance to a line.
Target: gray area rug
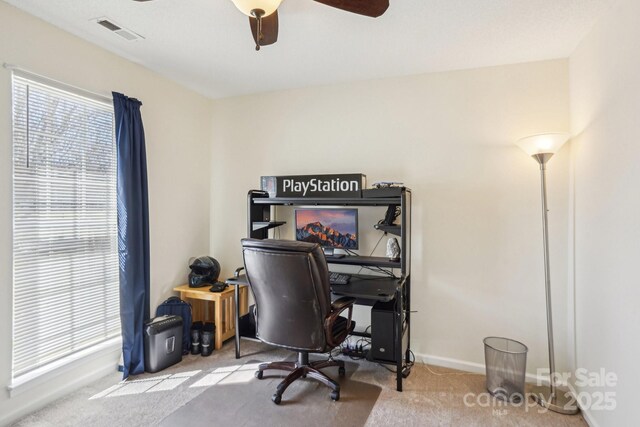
243	400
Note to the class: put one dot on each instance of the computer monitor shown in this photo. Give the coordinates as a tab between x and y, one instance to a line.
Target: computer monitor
331	228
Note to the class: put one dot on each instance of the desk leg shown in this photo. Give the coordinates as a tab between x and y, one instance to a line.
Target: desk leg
398	339
236	292
217	316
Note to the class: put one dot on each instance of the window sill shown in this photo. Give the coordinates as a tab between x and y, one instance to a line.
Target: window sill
46	373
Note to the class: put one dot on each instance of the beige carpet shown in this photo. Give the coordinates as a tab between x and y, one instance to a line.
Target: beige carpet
435	396
432	396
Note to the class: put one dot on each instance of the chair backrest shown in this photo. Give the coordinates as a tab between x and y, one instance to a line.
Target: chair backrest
290	284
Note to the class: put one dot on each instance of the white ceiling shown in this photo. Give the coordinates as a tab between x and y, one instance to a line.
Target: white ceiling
206	45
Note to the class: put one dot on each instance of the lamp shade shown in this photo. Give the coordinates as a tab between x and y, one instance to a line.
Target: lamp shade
246	6
546	143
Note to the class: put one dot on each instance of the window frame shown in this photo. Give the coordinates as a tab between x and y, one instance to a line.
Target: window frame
108	345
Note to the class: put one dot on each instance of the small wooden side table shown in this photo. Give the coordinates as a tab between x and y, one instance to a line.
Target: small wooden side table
216	307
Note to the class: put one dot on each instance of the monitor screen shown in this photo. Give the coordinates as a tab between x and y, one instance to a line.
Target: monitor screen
331	228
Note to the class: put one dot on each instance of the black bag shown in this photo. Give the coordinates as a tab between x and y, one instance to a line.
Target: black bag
177	307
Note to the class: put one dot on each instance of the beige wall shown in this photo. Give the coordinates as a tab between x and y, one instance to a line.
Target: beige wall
178	133
477	259
477	252
605	111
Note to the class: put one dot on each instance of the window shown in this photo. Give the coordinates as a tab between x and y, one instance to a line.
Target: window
65	258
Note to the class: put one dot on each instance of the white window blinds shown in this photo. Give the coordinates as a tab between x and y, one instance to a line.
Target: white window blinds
65	258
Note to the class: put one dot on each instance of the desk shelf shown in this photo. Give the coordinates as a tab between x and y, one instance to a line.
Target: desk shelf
326	201
361	286
368	261
393	229
369	287
266	225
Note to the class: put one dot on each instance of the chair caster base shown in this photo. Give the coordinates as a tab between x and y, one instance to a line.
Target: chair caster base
341	371
258	374
276	398
335	395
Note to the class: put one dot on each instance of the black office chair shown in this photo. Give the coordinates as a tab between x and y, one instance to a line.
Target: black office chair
290	284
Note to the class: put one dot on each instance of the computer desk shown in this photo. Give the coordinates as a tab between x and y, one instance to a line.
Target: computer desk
367	292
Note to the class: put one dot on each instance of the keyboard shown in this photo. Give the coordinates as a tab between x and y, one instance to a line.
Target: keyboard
338	278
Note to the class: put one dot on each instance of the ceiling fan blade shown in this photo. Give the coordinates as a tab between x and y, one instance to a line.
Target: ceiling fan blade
372	8
269	29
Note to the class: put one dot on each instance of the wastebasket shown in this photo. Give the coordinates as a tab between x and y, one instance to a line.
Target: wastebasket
506	362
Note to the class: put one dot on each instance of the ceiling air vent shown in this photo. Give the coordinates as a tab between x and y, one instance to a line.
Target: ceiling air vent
122	32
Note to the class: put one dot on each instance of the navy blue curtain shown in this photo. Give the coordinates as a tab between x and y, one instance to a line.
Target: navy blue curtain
133	231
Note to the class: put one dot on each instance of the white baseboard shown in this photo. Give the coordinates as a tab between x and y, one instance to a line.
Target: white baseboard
588	417
464	365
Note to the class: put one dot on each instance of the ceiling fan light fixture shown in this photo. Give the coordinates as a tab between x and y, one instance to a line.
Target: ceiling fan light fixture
247	6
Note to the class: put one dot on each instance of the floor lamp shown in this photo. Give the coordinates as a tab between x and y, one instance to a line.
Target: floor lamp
541	148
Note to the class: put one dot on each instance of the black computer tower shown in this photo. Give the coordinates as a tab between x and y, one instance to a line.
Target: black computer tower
383	332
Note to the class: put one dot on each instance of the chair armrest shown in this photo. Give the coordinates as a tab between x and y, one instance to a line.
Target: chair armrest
236	273
342	303
337	307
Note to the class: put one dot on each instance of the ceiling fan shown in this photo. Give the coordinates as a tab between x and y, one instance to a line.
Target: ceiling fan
263	14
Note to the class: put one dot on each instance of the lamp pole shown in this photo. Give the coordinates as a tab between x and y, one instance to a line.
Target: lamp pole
549	397
542	159
542	147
